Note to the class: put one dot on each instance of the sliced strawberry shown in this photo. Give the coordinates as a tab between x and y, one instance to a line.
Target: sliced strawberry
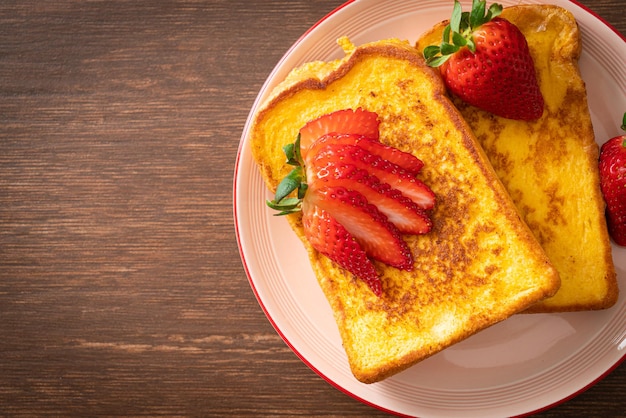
347	121
385	171
330	238
379	238
399	209
408	161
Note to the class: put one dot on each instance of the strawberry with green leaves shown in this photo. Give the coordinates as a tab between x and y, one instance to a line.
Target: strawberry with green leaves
613	184
357	196
485	61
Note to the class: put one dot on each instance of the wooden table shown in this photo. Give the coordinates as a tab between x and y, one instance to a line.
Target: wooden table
121	287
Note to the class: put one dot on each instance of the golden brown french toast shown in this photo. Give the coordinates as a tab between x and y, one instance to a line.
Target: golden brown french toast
478	265
550	166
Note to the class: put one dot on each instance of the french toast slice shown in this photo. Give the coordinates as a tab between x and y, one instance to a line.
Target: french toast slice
478	265
550	166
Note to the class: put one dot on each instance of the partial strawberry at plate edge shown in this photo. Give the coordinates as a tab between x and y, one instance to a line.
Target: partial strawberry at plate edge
612	166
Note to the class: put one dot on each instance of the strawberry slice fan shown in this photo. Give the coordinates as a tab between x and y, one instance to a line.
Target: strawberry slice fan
357	195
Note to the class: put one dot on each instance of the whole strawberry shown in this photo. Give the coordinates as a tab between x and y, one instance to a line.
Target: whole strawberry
485	61
613	184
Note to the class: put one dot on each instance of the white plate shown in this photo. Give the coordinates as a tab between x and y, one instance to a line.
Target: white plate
524	364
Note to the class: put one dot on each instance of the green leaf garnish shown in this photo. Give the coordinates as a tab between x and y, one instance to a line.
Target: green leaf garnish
293	153
290	183
295	181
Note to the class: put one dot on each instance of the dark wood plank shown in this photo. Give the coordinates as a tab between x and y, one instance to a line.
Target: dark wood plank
121	287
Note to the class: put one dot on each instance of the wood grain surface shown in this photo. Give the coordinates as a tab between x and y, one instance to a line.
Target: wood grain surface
121	287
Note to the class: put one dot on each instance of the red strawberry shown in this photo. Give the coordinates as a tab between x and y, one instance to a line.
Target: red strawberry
385	171
404	159
348	121
485	61
613	184
379	238
407	216
330	238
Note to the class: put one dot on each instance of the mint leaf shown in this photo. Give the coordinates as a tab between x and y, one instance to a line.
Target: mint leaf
288	184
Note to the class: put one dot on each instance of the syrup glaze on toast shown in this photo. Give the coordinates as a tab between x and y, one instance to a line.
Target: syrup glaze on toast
480	263
550	166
